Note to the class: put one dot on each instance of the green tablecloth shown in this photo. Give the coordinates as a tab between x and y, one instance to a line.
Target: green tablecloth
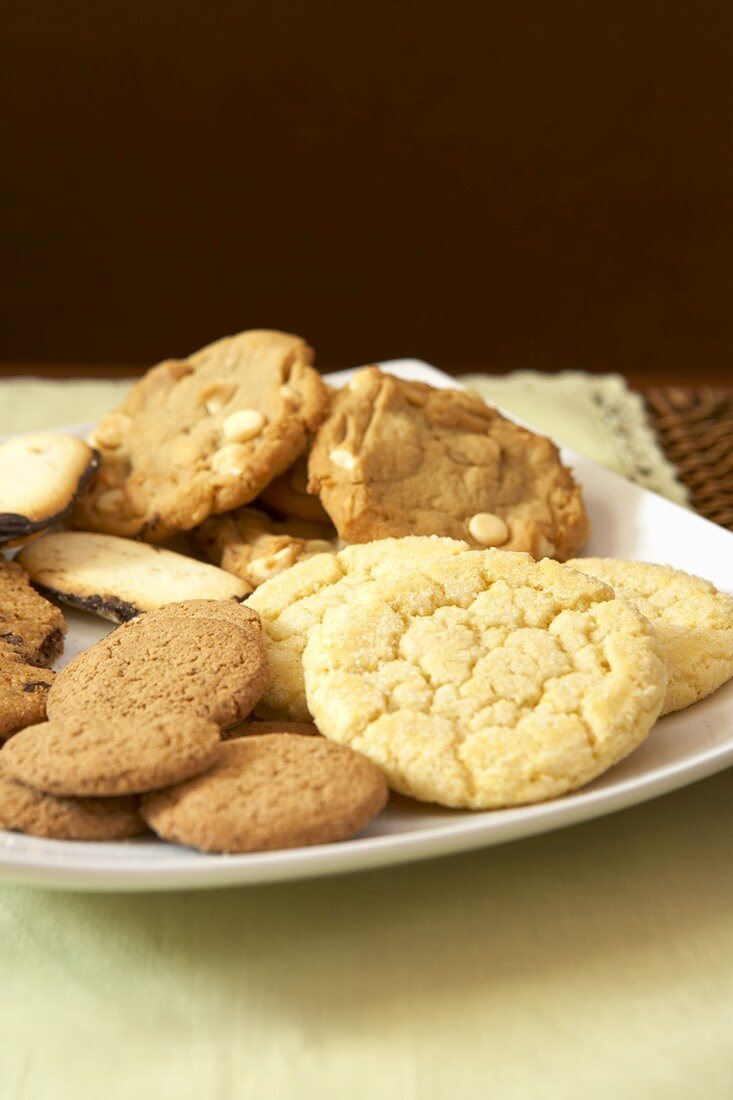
592	962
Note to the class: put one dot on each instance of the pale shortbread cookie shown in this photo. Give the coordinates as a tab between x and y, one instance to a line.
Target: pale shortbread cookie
256	547
693	620
40	476
118	578
204	435
486	679
401	458
293	603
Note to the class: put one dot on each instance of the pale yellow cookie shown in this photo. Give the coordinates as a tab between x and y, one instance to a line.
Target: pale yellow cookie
293	603
693	620
486	679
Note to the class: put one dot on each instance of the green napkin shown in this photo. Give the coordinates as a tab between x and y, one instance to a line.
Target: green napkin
595	961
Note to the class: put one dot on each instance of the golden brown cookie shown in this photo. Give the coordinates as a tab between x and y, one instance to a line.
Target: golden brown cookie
208	662
41	474
24	810
288	494
23	691
30	625
203	436
255	547
118	578
398	458
274	791
102	754
247	729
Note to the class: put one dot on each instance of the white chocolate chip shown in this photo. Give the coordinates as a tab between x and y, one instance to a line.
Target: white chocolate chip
110	501
110	431
215	395
243	425
343	458
261	569
288	394
360	381
488	529
230	461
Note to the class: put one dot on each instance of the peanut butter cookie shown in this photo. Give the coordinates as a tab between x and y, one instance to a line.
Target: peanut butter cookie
203	436
401	458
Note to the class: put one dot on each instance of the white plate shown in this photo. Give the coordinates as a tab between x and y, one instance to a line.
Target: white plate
628	522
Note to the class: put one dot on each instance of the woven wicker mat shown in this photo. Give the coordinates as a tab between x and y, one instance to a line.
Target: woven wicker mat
695	428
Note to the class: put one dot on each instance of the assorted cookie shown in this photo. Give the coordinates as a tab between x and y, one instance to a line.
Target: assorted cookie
41	475
203	435
270	791
692	619
255	546
397	458
392	634
119	578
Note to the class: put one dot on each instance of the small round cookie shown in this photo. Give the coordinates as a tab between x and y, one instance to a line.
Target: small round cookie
247	729
30	625
288	494
486	679
41	475
403	458
100	754
273	791
293	603
692	619
24	810
119	578
24	691
203	436
255	547
210	664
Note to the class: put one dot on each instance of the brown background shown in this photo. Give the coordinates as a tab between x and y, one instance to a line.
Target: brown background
496	185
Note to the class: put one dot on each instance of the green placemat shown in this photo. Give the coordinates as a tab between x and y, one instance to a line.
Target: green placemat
595	961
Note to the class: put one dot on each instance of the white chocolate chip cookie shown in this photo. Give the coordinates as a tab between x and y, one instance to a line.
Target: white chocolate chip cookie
486	679
293	603
255	547
203	436
693	620
401	458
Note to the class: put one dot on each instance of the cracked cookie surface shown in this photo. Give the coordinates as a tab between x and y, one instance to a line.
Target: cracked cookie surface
693	620
400	458
293	603
486	679
203	435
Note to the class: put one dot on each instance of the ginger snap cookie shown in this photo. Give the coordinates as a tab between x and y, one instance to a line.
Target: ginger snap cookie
293	603
204	435
254	546
273	791
486	679
24	691
401	458
41	474
202	658
692	619
288	494
24	810
103	754
30	625
119	578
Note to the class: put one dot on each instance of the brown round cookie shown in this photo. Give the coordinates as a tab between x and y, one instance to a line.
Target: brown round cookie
255	547
24	691
30	625
397	458
207	662
203	436
99	754
247	729
288	494
273	791
24	810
